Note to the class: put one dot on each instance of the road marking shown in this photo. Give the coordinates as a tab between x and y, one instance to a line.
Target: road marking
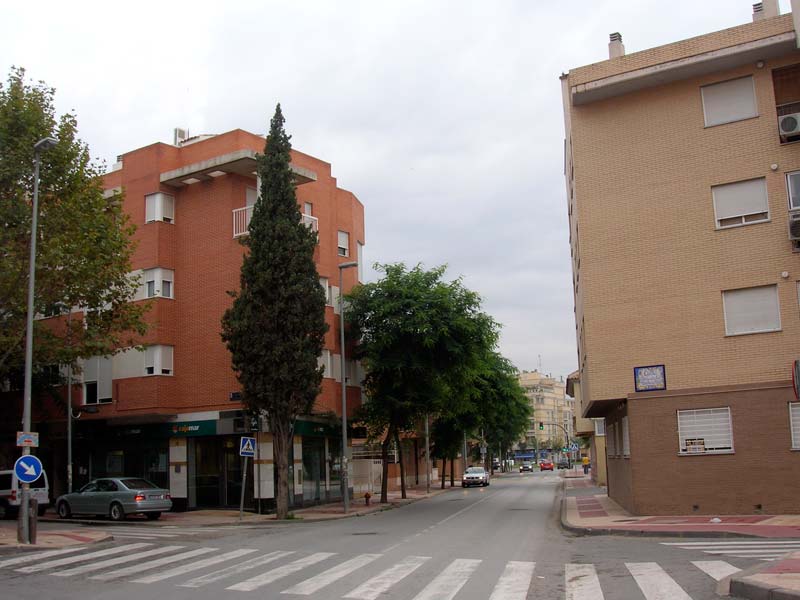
729	543
718	569
655	583
73	559
381	583
21	560
256	582
201	564
748	552
514	582
450	581
582	582
316	583
96	566
235	569
152	564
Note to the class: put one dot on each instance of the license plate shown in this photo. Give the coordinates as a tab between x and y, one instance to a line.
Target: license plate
156	497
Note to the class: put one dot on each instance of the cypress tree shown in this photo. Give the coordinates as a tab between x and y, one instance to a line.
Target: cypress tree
275	328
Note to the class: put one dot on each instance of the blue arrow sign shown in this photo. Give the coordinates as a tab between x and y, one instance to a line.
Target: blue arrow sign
28	469
247	447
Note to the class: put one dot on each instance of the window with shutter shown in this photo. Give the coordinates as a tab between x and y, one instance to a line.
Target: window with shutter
751	310
705	431
740	203
729	101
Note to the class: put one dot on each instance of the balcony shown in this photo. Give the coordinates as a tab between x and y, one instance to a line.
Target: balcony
242	216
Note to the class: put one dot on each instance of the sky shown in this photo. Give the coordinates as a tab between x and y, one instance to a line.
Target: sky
443	117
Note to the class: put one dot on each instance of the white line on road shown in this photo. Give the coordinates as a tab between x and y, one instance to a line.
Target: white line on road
235	569
316	583
582	582
655	583
73	559
96	566
514	582
450	581
260	580
381	583
195	566
718	569
746	551
33	556
152	564
734	543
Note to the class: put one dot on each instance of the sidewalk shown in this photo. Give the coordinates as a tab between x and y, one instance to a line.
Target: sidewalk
587	509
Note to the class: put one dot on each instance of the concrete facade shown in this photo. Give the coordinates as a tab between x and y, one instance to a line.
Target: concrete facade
551	407
659	272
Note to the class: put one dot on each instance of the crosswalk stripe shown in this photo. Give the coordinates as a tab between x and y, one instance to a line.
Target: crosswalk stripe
316	583
447	584
655	583
718	569
134	536
201	564
145	534
514	582
582	582
379	584
235	569
768	555
73	559
734	543
747	552
260	580
96	566
151	564
34	556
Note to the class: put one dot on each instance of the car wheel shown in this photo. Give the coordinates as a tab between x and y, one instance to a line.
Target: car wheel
64	511
116	512
153	516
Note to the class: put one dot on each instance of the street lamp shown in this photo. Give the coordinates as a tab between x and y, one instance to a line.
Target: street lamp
345	499
38	148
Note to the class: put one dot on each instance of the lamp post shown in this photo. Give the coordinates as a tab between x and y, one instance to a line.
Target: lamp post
38	148
345	499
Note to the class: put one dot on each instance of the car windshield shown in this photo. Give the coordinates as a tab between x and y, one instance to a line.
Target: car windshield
139	484
475	470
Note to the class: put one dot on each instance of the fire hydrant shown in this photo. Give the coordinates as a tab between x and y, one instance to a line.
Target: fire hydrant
367	496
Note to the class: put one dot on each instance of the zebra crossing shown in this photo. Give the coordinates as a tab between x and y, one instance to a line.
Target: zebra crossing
767	550
124	532
251	570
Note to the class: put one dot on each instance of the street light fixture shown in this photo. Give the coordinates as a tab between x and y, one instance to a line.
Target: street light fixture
345	499
38	148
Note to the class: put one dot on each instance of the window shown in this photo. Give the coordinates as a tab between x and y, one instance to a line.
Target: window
159	207
97	376
599	427
705	431
325	361
794	424
158	283
360	259
751	310
251	197
344	243
308	208
323	281
626	438
729	101
793	185
611	440
740	203
158	360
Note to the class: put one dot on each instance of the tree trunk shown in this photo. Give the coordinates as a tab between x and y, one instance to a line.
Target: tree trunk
281	438
402	466
385	458
416	461
452	472
444	462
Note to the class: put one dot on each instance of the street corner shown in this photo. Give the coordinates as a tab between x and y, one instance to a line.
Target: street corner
54	539
778	580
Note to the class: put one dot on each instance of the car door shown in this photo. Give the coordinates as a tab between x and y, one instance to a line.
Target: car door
81	502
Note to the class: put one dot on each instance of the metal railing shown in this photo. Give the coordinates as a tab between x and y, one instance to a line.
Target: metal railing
242	216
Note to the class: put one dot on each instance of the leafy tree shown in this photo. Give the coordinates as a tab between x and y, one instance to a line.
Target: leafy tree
84	245
276	325
422	341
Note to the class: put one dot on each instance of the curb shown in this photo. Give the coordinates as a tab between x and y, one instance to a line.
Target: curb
740	586
106	537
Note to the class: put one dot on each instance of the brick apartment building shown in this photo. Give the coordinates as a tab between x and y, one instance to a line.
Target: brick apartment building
682	167
172	413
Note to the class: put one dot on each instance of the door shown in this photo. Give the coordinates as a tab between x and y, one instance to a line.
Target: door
208	471
233	475
313	473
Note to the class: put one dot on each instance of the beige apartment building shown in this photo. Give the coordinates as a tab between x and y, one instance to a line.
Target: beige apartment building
553	412
591	430
682	167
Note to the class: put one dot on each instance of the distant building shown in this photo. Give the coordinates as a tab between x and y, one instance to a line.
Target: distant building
682	168
553	412
592	430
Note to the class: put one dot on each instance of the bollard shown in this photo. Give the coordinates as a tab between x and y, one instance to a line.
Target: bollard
33	514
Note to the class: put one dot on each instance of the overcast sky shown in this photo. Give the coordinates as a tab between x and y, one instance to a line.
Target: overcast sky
443	117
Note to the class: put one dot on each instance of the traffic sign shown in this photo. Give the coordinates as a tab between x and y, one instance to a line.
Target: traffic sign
574	447
28	468
31	440
247	447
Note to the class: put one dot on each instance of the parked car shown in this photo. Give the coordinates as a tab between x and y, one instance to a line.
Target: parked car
475	476
563	464
526	466
546	465
496	464
116	497
11	494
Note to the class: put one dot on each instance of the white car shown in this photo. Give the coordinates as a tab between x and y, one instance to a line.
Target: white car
475	476
11	494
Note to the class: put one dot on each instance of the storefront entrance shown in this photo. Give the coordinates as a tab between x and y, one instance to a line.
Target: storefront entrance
217	467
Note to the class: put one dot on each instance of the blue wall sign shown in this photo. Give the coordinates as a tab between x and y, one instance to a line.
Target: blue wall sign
650	378
28	469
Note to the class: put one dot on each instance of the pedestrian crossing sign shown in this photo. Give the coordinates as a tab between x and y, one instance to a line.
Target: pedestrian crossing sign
247	447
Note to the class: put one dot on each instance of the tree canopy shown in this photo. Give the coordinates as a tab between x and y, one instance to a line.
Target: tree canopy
84	245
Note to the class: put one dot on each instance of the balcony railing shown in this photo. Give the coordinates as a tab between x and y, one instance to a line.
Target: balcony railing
242	216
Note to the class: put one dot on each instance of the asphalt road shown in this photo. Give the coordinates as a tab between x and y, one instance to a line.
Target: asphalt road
501	542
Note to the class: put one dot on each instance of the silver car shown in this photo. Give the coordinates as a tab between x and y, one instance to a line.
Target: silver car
116	497
475	476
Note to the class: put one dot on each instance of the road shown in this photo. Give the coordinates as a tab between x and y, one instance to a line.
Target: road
501	542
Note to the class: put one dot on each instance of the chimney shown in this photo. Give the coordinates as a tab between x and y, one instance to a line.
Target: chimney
615	46
765	10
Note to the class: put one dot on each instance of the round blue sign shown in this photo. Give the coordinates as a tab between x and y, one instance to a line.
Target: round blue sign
28	468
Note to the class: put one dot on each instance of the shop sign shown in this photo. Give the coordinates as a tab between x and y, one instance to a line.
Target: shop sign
650	378
192	428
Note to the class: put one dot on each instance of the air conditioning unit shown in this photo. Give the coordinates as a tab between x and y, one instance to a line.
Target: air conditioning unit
789	124
794	226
